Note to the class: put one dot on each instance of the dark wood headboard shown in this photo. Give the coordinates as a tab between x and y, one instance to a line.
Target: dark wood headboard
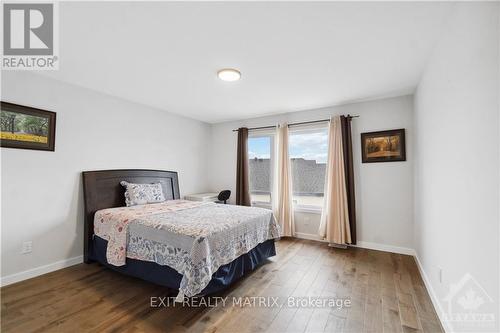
102	189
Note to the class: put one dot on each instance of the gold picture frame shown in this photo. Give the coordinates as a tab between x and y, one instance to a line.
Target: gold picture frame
383	146
25	127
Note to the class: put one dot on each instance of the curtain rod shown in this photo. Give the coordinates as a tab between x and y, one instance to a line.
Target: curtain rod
294	124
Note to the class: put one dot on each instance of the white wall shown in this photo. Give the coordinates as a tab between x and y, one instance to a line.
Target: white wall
42	191
457	154
384	191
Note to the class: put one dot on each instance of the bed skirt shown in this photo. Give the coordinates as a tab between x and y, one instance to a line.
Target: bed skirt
168	277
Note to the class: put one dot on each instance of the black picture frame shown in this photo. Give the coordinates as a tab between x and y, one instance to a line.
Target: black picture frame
374	140
30	111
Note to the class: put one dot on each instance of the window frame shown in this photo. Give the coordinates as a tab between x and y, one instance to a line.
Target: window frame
316	209
272	135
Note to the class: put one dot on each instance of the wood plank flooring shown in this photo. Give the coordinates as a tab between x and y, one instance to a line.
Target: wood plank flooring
386	292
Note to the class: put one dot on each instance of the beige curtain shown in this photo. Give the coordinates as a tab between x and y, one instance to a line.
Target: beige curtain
334	225
282	200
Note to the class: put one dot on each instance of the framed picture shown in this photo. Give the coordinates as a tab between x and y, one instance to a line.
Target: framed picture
383	146
27	128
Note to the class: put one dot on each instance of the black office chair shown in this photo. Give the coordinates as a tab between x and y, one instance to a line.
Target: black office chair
224	196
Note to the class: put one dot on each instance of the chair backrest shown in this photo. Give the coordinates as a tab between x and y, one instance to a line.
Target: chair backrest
224	195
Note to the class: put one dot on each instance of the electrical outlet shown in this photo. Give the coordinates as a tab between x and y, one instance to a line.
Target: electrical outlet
27	247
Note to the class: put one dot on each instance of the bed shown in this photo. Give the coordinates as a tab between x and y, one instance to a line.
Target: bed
196	248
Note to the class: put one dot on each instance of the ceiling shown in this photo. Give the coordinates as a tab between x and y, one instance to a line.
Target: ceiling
292	56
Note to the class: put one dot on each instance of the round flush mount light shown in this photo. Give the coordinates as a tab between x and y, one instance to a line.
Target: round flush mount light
229	74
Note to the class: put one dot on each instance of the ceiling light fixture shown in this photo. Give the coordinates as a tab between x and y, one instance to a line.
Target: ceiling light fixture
229	74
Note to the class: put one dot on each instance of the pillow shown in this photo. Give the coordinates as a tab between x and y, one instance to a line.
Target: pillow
141	194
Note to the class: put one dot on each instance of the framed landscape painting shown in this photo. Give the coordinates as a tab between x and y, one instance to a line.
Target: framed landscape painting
383	146
27	128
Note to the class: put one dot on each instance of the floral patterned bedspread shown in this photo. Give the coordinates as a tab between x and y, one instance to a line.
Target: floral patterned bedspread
194	238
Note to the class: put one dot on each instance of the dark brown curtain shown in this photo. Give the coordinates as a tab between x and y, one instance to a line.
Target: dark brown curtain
349	173
242	187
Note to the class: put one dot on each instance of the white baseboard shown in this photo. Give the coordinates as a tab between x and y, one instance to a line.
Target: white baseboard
435	300
385	247
31	273
364	245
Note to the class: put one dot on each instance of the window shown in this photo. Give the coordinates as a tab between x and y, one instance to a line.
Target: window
308	149
260	170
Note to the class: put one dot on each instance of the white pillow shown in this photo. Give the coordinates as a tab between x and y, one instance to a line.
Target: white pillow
141	194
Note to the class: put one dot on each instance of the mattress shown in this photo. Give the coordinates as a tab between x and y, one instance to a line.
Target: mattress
193	238
165	276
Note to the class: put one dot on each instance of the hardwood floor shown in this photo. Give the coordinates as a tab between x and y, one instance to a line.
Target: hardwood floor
386	292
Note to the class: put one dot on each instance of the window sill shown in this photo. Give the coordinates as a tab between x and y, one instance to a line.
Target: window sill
311	210
299	209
